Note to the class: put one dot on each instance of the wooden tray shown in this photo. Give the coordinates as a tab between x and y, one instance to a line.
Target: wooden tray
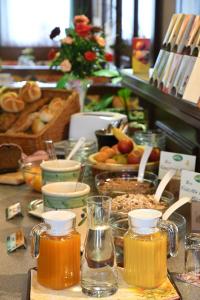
55	130
168	291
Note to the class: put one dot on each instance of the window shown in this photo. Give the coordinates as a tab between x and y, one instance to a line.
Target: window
127	19
28	23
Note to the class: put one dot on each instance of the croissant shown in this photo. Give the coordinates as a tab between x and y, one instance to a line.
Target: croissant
11	102
30	92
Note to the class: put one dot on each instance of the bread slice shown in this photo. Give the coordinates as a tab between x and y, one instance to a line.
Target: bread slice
10	155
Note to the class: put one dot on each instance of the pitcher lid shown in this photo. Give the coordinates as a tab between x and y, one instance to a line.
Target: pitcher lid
60	221
144	217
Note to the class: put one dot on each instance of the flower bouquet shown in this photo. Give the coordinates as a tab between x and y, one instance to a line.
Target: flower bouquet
82	51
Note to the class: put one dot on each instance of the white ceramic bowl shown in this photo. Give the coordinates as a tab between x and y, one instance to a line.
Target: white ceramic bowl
60	170
64	195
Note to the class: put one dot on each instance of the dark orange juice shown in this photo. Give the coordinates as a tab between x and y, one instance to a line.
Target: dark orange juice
59	260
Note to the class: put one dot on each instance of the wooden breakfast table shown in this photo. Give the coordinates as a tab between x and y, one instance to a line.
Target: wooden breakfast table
14	267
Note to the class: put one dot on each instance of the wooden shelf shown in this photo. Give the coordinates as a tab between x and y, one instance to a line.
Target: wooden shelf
181	109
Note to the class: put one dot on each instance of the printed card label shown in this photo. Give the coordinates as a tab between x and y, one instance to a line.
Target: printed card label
15	240
175	161
13	210
190	185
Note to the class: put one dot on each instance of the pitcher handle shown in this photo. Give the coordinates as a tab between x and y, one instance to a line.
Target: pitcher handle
35	238
172	231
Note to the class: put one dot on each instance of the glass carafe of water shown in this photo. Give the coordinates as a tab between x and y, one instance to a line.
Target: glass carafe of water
98	272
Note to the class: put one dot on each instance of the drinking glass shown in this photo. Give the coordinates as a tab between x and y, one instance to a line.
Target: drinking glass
192	255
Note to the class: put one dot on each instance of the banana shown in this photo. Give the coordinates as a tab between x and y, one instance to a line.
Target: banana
120	135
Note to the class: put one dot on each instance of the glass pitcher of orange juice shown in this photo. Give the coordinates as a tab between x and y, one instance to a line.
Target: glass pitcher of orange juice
56	245
146	248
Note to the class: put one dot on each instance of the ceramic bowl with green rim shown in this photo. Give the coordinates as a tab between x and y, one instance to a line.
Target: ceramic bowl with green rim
64	195
60	170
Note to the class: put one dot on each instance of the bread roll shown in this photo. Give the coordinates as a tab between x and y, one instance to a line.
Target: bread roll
30	92
56	105
11	102
6	121
37	125
45	114
24	124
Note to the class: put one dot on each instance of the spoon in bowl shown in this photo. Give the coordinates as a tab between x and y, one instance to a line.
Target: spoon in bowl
163	183
143	162
175	206
76	147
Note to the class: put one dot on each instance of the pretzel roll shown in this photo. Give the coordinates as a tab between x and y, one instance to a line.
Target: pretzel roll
11	102
30	92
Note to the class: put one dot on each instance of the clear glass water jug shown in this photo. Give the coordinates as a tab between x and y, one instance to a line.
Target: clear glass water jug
98	273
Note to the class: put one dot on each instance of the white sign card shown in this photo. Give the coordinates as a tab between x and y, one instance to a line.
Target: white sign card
190	185
175	161
192	90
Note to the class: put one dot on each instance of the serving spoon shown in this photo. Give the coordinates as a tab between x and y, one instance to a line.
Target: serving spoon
143	162
163	183
76	147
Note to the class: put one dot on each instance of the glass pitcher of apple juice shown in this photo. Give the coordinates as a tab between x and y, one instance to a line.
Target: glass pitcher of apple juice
146	248
56	245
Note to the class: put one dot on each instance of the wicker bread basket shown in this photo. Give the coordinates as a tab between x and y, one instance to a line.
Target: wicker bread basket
55	130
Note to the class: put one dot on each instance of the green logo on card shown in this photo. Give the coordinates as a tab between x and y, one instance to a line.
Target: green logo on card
197	178
178	157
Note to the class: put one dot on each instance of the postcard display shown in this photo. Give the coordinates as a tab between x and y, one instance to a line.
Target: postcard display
177	68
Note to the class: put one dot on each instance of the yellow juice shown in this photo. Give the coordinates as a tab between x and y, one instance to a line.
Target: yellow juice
59	261
145	259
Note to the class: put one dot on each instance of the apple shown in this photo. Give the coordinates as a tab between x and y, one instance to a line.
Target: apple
125	146
134	157
155	154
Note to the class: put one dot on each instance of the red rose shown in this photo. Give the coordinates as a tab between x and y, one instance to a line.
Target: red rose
108	57
82	29
90	55
52	54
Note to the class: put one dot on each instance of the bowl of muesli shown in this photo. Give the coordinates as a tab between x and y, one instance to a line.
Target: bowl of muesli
120	182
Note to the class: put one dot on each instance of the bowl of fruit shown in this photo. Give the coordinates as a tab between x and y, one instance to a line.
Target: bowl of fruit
30	167
32	174
124	155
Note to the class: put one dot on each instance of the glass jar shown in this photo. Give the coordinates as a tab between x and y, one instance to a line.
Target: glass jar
89	147
56	245
154	138
145	248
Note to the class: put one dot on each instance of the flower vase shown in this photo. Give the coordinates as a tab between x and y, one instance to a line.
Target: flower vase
80	86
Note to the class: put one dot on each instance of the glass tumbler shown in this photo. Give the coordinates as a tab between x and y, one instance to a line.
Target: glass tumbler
154	138
192	254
